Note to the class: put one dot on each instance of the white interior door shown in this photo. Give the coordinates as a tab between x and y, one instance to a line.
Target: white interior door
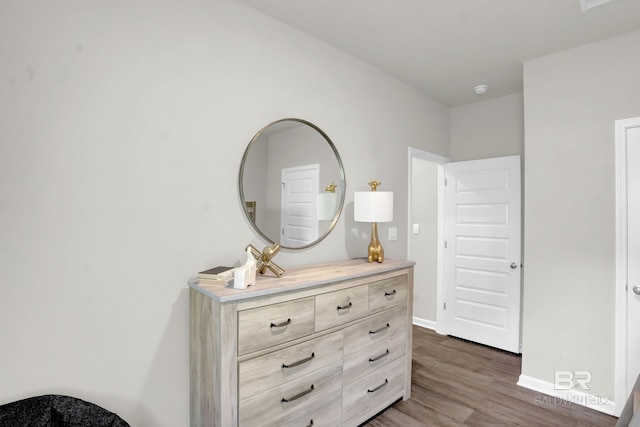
633	257
299	221
482	255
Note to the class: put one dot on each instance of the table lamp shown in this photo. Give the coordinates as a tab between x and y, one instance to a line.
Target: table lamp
374	207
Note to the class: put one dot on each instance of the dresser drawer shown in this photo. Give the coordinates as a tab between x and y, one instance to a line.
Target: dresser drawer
371	358
273	369
263	327
326	415
315	396
338	307
375	329
387	293
373	389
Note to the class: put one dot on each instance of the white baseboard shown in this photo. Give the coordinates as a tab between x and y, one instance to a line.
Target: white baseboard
599	403
429	324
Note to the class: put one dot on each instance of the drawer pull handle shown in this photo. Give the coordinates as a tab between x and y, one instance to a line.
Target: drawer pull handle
387	326
388	294
386	381
344	307
298	396
279	325
299	362
375	359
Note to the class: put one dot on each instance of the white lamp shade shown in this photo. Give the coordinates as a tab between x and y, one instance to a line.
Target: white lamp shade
373	206
327	203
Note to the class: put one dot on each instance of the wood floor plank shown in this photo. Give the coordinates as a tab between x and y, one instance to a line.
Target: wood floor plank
459	383
394	418
440	403
416	410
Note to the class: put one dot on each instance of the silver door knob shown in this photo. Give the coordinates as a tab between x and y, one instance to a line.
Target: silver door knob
636	289
513	265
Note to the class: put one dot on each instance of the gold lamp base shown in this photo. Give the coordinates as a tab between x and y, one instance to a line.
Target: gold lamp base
375	252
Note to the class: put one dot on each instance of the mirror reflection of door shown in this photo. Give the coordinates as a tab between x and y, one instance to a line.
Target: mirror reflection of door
299	220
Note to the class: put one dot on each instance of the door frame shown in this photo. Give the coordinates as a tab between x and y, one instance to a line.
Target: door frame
439	324
416	153
621	128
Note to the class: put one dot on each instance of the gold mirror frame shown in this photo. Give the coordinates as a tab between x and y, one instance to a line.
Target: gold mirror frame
249	206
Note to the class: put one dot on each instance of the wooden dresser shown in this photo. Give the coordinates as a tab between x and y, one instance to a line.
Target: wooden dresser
324	345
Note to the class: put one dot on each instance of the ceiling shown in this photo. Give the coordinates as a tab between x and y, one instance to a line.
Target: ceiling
446	47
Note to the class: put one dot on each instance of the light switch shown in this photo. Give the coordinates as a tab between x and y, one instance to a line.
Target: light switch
393	233
416	228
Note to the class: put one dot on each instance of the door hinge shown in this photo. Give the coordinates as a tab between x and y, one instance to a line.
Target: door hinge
445	305
445	244
446	182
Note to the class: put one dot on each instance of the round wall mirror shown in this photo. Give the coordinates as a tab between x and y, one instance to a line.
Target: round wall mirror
292	183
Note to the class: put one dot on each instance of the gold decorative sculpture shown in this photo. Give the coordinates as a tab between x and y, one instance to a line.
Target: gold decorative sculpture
331	188
265	259
374	184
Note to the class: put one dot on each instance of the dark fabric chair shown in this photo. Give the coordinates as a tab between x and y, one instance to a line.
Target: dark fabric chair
57	411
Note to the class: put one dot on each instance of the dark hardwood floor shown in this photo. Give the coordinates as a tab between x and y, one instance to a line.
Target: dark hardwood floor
459	383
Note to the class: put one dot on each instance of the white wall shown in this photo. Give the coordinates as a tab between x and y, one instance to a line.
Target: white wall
122	127
492	128
571	100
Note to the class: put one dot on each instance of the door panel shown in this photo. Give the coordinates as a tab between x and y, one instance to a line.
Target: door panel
482	256
633	256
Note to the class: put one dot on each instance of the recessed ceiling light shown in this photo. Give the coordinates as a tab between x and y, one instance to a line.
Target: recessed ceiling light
590	4
480	89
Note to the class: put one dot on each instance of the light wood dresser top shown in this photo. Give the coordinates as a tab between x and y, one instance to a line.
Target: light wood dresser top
302	278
